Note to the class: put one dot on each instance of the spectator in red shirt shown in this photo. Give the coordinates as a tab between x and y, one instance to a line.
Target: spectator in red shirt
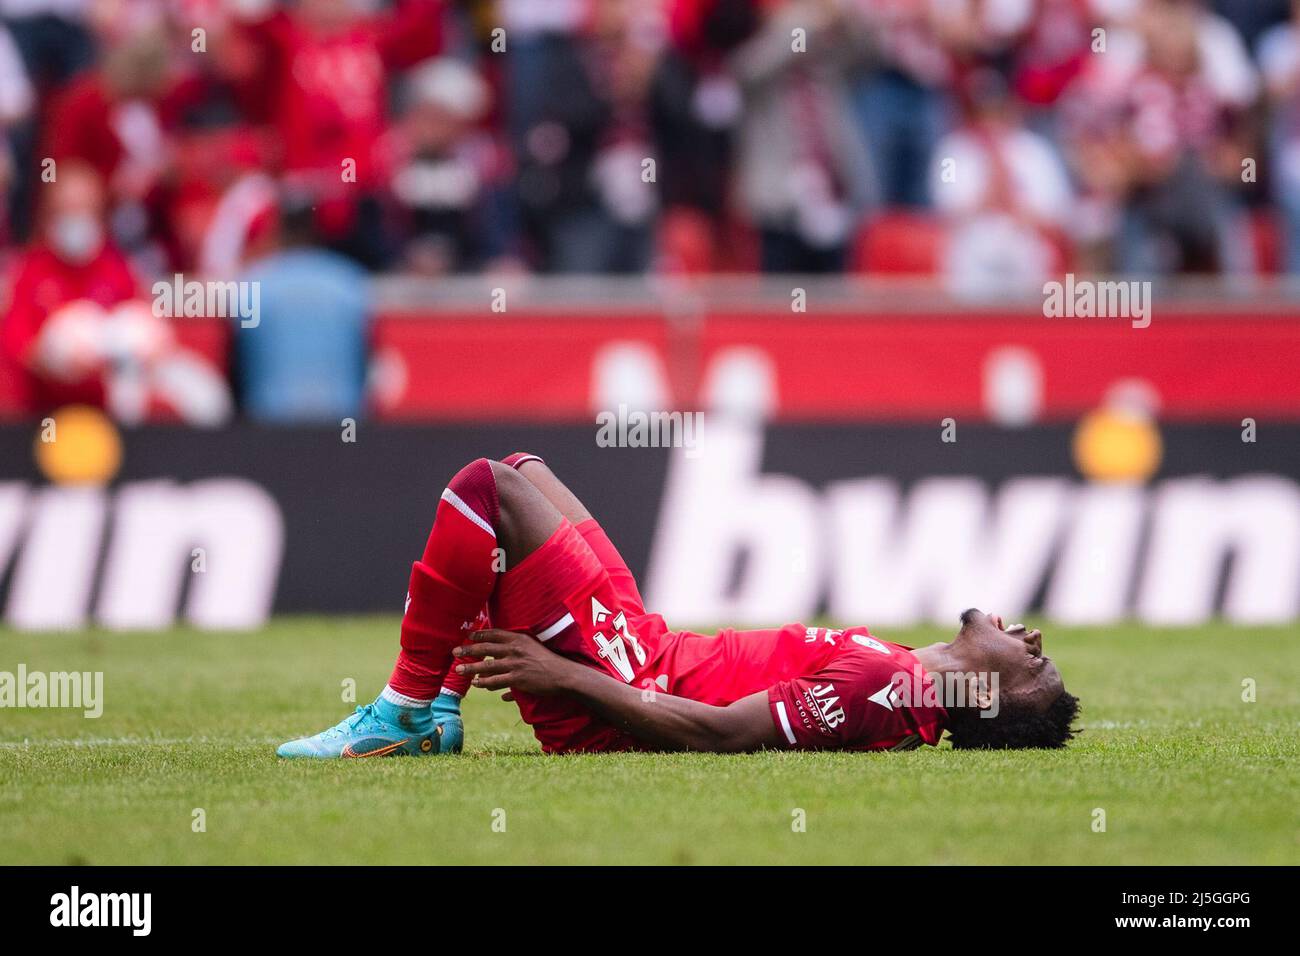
325	67
108	118
217	123
63	283
78	329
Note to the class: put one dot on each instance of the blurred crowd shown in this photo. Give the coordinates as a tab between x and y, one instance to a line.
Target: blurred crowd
988	142
623	135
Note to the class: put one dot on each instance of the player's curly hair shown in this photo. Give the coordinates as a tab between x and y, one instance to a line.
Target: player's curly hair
1014	728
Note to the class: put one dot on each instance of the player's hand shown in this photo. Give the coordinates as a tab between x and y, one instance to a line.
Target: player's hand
509	660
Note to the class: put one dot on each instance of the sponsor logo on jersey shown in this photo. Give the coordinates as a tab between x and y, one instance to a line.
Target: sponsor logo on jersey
812	635
827	705
886	697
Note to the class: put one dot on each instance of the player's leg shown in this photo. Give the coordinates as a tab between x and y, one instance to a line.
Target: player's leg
549	595
568	504
456	686
532	467
489	517
544	480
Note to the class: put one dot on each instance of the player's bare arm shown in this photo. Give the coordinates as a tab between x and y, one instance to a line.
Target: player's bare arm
502	660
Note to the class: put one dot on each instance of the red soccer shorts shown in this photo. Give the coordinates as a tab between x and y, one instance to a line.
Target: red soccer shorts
576	594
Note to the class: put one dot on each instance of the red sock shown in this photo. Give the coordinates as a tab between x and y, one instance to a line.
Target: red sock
518	458
451	583
459	684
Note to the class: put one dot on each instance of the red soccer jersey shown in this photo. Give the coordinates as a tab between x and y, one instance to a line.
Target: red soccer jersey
827	689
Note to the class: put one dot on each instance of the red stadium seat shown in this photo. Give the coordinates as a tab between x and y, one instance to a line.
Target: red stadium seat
899	242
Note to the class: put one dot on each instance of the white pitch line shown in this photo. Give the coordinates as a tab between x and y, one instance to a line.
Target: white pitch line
135	742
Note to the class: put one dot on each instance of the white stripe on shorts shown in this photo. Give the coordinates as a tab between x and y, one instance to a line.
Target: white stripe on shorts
555	628
785	722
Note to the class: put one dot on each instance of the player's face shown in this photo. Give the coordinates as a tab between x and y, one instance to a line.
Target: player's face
1015	654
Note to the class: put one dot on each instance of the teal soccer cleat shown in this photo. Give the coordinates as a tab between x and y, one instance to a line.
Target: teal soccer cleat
382	730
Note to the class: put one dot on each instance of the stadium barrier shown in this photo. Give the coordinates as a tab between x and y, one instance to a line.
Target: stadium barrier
803	349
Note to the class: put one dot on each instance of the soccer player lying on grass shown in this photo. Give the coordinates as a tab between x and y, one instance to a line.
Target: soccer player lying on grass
520	589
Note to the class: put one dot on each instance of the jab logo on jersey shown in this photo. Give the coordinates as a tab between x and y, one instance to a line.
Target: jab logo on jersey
827	703
614	649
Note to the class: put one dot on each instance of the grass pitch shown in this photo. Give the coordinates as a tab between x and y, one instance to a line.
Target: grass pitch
1184	769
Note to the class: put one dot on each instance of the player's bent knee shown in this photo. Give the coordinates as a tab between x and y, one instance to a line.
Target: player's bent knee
518	459
512	487
475	488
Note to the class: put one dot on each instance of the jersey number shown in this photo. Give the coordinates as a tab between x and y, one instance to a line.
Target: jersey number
614	649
